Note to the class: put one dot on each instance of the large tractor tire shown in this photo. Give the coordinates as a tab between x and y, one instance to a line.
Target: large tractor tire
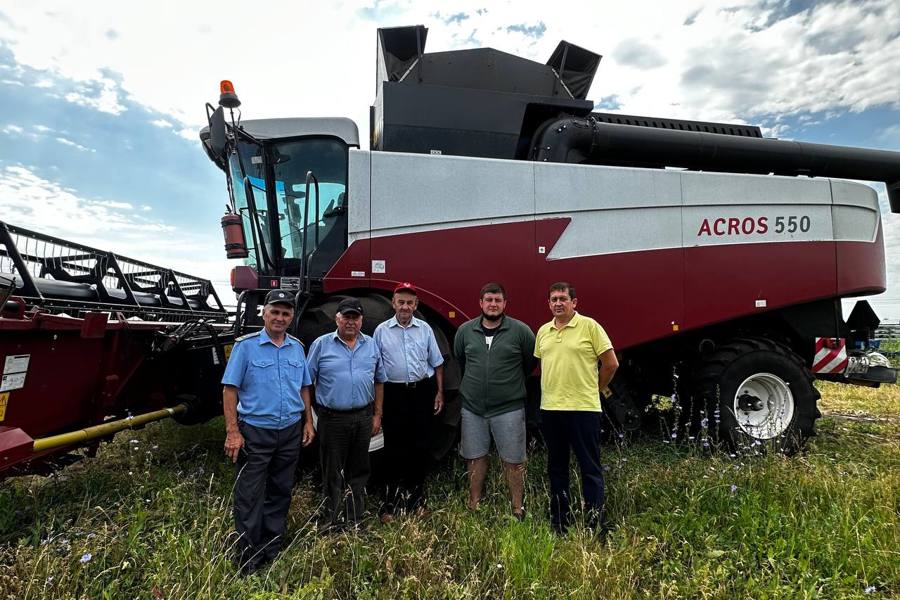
757	394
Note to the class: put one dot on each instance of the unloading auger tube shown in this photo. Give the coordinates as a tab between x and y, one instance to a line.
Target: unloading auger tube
586	140
106	429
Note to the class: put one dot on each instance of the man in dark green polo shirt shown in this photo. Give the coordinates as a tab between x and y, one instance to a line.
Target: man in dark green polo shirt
495	353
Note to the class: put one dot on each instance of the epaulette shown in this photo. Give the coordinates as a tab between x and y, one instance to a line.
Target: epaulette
296	339
247	337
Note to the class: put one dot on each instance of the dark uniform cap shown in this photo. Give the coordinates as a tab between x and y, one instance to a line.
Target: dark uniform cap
350	305
280	297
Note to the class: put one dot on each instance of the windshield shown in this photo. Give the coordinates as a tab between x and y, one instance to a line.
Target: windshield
251	157
327	159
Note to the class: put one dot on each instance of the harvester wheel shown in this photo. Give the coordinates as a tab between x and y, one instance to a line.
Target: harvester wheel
757	393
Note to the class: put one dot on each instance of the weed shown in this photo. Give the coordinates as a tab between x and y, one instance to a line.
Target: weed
150	517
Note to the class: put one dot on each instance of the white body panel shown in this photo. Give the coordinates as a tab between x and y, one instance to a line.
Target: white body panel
612	209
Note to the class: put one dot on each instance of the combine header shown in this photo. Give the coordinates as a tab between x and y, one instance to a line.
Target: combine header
92	343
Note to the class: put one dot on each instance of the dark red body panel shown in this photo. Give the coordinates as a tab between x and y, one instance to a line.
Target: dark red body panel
724	282
860	269
637	296
66	383
86	371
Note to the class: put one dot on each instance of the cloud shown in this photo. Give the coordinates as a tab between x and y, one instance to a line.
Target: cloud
608	103
31	201
161	123
101	94
635	53
532	31
457	18
77	146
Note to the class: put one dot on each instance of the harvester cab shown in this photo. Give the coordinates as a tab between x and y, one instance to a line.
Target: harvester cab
287	184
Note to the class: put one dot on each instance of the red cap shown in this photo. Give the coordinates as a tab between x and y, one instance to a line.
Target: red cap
405	287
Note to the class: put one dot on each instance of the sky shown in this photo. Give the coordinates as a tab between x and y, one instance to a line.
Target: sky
101	101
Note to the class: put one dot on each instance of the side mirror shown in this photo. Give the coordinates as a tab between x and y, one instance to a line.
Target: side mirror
218	140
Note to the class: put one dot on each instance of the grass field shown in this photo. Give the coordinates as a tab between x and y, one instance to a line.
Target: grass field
149	517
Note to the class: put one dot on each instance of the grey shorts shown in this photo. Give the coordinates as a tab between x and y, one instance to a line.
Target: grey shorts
508	431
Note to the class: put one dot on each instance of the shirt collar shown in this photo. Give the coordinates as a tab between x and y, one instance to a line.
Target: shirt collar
393	322
264	338
360	338
573	322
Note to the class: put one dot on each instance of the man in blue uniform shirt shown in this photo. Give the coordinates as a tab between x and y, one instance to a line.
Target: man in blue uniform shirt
413	393
266	391
349	378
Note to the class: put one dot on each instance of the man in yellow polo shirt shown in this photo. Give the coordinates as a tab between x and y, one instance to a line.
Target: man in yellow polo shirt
571	347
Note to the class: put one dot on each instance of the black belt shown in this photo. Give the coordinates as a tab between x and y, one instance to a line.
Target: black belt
334	411
411	384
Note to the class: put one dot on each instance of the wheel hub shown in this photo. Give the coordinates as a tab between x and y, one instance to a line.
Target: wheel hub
764	406
749	403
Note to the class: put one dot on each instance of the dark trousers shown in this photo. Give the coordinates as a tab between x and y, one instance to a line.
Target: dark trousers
266	466
407	426
344	446
578	431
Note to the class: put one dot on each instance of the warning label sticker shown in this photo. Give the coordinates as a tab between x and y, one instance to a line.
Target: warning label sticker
13	381
16	363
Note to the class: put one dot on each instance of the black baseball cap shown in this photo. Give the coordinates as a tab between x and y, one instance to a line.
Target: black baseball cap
350	305
280	297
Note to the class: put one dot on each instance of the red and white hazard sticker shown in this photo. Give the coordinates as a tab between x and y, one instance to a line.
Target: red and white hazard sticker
831	355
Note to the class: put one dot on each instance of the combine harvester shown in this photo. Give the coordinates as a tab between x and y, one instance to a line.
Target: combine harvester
716	259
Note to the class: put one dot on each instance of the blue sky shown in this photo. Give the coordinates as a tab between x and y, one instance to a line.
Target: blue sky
101	105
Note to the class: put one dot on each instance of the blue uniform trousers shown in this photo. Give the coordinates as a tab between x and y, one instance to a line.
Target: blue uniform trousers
266	467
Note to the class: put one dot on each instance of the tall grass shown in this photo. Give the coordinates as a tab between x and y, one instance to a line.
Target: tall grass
150	517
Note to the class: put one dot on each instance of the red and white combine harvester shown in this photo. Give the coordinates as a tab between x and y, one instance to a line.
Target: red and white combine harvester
715	258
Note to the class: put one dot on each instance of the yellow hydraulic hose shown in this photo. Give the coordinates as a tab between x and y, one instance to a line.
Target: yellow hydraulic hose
97	431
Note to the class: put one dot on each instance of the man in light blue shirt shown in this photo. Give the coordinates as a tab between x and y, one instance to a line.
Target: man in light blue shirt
413	394
266	390
349	377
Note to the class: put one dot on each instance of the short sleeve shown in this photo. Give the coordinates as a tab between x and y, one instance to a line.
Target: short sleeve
307	378
435	359
236	366
537	342
312	360
380	373
599	339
